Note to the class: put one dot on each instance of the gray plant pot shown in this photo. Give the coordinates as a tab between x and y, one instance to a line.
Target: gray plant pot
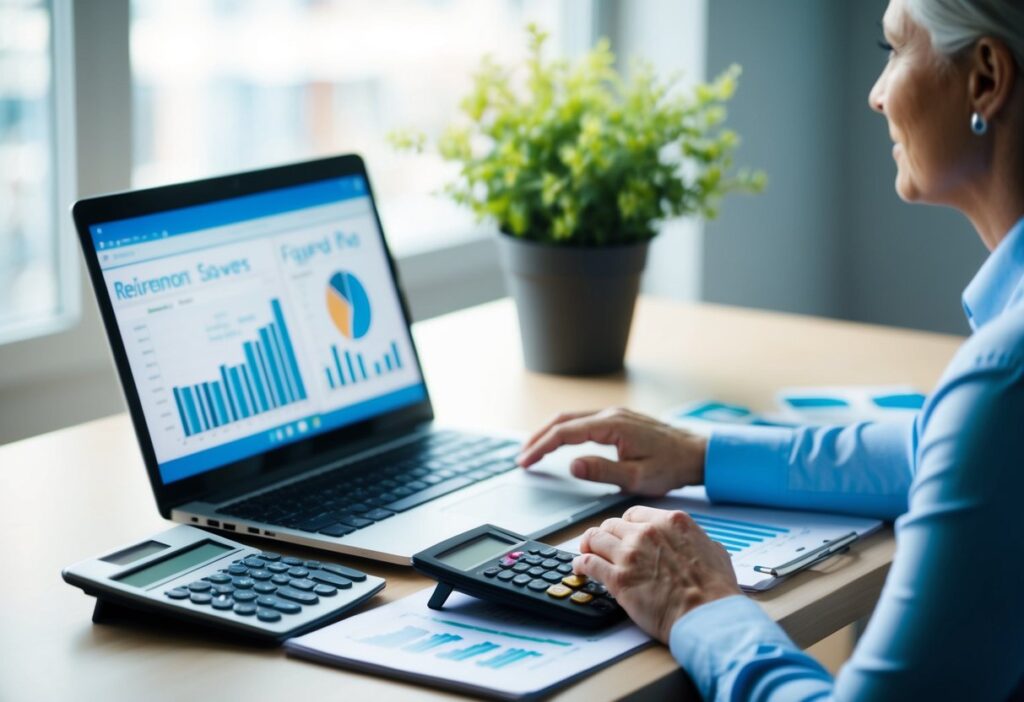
575	304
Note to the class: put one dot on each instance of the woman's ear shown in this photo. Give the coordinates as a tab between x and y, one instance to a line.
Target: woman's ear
992	72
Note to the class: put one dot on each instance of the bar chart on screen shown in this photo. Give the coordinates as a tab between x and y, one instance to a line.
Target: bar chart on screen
266	376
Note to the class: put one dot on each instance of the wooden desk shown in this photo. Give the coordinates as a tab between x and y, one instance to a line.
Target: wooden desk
74	493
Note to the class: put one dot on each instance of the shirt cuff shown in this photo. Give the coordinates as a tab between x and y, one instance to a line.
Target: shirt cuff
747	464
718	637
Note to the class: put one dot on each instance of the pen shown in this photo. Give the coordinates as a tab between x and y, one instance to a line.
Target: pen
806	560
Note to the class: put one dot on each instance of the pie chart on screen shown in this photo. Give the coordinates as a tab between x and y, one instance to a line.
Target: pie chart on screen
348	305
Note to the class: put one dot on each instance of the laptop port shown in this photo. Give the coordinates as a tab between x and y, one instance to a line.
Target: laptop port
229	527
252	530
212	522
269	533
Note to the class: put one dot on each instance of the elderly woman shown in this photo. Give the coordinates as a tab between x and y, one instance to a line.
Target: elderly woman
950	621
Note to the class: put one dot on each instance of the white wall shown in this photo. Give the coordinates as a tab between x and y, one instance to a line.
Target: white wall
829	236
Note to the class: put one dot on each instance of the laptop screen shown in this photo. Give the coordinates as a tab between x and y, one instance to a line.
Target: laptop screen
257	321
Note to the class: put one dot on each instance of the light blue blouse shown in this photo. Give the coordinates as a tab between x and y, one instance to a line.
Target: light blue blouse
950	621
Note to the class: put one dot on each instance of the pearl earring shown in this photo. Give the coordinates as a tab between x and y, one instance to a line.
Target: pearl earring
978	124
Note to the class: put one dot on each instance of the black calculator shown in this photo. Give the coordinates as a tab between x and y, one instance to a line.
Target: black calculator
507	568
189	575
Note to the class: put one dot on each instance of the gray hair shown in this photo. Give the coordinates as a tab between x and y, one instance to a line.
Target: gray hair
957	24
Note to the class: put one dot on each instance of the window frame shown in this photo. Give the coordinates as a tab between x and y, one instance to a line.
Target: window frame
61	187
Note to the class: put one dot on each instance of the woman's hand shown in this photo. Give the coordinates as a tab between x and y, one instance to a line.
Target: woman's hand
658	565
653	457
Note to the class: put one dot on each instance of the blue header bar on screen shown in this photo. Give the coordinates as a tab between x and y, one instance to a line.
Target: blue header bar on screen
185	220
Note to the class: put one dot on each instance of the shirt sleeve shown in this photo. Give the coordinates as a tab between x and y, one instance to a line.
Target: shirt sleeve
950	620
863	469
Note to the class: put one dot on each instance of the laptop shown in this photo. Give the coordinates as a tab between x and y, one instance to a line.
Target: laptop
262	342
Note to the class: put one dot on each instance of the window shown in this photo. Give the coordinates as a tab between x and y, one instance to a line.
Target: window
37	272
229	85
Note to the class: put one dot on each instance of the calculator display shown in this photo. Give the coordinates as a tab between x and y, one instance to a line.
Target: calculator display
475	552
181	561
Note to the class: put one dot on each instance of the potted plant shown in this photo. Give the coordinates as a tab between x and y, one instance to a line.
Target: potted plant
578	166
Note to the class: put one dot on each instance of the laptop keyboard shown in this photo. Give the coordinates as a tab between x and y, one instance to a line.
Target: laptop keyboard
356	495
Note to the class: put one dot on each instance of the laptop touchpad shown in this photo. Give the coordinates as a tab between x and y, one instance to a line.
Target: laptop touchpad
509	500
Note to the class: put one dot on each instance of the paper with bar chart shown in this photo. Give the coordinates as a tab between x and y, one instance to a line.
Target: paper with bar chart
243	337
470	645
758	536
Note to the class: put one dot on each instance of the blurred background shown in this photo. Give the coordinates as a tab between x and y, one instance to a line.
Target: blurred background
105	95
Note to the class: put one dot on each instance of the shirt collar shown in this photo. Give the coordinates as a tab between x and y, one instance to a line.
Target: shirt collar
999	283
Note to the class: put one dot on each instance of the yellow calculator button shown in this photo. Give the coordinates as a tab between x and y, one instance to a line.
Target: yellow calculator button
581	597
559	591
574	580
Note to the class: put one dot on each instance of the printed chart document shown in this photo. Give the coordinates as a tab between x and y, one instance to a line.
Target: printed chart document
758	536
471	646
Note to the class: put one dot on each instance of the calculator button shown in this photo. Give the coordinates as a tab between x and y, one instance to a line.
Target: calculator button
565	569
200	598
581	598
298	572
313	565
575	580
277	568
264	588
254	563
200	586
520	567
549	552
552	576
521	579
267	601
534	550
350	573
270	556
292	561
244	595
539	585
559	591
222	602
302	584
223	589
238	569
549	563
325	590
506	575
287	607
290	593
219	578
246	609
260	574
243	583
565	557
280	579
330	579
178	593
536	571
268	615
508	561
594	588
533	560
491	572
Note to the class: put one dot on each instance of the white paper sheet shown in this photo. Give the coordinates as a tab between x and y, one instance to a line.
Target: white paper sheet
470	645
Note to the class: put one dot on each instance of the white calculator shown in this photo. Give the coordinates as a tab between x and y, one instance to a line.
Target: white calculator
189	574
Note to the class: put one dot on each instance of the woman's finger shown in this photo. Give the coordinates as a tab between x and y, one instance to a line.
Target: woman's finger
575	431
603	543
642	513
594	567
557	419
601	470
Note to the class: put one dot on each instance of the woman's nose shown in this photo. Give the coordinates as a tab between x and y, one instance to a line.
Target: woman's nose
876	98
